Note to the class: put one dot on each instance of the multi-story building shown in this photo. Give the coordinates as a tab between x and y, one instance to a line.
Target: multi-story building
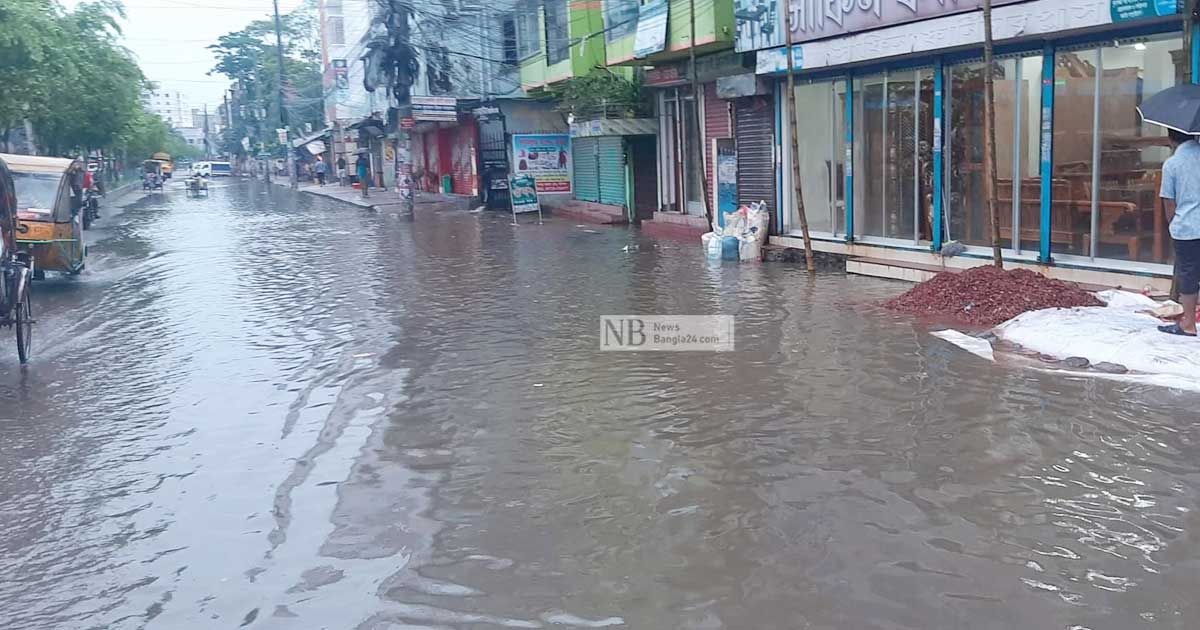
344	24
168	105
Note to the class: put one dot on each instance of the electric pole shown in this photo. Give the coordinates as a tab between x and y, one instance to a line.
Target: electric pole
283	117
403	94
708	211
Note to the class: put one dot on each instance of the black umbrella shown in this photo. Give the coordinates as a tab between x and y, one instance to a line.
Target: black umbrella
1175	108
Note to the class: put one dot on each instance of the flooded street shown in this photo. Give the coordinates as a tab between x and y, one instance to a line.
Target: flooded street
271	410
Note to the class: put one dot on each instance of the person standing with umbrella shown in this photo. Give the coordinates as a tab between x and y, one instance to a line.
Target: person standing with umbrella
1181	199
1178	109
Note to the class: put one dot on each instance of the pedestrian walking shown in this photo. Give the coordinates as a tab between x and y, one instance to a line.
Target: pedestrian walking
364	174
319	168
1181	199
341	170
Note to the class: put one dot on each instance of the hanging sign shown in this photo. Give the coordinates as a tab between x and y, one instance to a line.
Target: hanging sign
546	157
437	108
652	29
341	74
1125	10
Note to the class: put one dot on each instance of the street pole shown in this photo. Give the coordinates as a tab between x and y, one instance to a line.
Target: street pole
283	116
403	94
708	213
794	132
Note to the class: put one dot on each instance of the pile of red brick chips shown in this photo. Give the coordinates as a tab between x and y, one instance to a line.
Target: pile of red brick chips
986	296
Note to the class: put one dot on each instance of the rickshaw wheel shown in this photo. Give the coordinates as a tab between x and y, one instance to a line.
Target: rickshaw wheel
24	325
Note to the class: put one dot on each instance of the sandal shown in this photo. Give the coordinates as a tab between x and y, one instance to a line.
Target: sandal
1174	329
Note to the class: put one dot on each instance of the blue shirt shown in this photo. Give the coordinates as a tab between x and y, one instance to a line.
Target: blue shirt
1181	182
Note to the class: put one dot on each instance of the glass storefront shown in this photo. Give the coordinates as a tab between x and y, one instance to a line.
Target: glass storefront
893	158
822	130
1107	164
1018	166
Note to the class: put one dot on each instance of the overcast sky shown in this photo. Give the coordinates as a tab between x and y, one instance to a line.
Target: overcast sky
169	39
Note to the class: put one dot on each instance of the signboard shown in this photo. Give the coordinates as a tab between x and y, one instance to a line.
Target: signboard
436	108
651	29
1125	10
820	19
1010	20
726	177
665	76
283	135
341	74
546	157
407	123
522	195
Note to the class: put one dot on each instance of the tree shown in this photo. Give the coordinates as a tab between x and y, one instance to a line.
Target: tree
989	131
29	34
249	58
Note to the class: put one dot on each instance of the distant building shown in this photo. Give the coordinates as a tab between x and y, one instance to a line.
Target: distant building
170	106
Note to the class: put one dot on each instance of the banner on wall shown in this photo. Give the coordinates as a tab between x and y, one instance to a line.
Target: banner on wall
546	157
760	22
651	34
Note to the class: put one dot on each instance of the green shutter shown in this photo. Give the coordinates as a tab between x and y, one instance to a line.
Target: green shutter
612	170
583	158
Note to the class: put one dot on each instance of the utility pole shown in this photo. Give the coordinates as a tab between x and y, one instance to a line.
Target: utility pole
403	94
794	132
207	150
708	211
283	116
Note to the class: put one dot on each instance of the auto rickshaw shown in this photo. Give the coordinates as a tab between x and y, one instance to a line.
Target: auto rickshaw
152	175
50	200
16	310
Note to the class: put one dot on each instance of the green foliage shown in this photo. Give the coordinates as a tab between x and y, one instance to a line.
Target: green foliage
66	72
250	58
600	92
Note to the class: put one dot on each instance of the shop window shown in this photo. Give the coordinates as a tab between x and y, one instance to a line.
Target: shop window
620	18
508	29
967	216
529	40
821	128
893	155
558	36
1107	164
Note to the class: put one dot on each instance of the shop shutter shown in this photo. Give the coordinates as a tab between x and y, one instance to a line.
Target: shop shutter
587	180
755	133
612	170
716	125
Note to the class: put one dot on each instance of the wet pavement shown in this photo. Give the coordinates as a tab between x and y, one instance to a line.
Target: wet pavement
270	410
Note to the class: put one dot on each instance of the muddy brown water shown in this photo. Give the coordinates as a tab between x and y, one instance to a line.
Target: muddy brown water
270	411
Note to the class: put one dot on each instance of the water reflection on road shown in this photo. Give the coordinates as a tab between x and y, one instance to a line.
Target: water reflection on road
274	411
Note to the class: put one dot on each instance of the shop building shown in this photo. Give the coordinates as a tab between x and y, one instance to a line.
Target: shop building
890	108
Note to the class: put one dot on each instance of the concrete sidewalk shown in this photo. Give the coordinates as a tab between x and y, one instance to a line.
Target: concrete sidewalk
381	199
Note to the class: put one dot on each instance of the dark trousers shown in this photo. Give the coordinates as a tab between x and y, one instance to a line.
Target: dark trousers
1188	255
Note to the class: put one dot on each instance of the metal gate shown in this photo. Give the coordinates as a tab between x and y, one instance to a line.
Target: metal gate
611	159
586	165
755	132
493	162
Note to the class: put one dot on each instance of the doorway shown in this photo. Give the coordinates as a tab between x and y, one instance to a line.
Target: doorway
644	162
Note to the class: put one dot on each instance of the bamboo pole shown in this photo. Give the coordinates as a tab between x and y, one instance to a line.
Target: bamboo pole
989	139
793	131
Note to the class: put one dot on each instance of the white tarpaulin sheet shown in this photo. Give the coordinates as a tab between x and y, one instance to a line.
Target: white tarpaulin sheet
1102	334
1121	333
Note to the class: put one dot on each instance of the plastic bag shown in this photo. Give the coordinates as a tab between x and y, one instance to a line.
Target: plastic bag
758	219
735	222
712	245
749	248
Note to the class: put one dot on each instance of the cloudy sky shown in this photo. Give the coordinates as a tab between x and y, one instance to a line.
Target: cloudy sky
169	38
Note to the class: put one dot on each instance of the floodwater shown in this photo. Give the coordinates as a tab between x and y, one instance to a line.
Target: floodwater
269	410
